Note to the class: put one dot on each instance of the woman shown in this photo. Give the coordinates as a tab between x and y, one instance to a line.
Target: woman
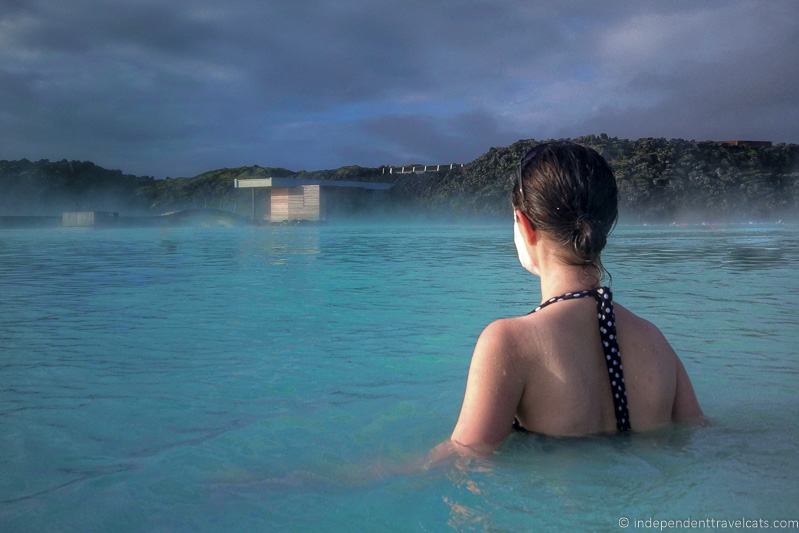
580	363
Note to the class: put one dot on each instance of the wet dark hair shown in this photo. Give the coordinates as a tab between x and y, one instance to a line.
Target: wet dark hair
569	191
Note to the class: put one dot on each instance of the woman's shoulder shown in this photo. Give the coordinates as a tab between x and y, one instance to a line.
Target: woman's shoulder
517	333
636	325
500	331
626	316
505	334
643	338
498	344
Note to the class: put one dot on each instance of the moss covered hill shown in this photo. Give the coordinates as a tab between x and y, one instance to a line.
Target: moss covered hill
47	187
658	179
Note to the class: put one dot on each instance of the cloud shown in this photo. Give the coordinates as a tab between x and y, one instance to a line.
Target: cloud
431	139
172	89
722	72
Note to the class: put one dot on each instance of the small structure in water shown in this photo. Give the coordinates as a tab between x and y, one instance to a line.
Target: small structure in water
289	199
88	219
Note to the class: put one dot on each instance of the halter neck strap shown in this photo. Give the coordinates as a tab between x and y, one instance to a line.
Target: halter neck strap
597	292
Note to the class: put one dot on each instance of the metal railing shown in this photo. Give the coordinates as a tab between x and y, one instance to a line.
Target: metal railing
419	169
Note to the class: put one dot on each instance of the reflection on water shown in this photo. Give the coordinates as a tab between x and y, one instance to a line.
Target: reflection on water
291	243
278	244
750	258
730	247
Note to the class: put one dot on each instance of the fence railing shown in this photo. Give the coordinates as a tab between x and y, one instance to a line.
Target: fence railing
420	169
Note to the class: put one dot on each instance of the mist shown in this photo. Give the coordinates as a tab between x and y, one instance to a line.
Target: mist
659	181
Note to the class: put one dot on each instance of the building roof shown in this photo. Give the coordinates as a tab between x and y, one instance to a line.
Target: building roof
294	182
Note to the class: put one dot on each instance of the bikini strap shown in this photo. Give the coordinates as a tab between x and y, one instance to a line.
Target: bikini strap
567	296
610	345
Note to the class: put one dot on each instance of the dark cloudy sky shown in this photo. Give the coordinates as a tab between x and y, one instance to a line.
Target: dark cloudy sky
175	88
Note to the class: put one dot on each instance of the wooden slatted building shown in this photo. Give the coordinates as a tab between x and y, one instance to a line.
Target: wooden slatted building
303	199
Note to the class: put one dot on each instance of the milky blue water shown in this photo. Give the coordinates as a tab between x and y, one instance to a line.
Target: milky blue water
277	378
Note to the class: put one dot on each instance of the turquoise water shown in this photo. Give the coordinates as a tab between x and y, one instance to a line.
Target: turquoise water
273	378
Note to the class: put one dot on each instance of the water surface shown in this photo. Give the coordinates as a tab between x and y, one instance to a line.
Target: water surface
254	378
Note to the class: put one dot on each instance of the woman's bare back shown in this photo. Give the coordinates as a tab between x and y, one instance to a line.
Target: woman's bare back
566	387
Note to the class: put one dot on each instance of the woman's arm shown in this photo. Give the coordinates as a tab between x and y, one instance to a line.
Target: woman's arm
686	407
494	388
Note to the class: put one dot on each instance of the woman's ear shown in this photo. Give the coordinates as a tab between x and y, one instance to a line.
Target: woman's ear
526	227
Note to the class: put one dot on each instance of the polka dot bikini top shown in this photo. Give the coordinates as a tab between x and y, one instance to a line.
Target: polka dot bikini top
610	345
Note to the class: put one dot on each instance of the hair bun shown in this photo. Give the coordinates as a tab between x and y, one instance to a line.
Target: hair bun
585	239
581	222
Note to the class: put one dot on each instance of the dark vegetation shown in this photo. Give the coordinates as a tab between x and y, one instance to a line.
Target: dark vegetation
49	187
659	180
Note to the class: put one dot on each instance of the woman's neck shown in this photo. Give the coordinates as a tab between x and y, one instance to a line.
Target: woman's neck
566	278
558	277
